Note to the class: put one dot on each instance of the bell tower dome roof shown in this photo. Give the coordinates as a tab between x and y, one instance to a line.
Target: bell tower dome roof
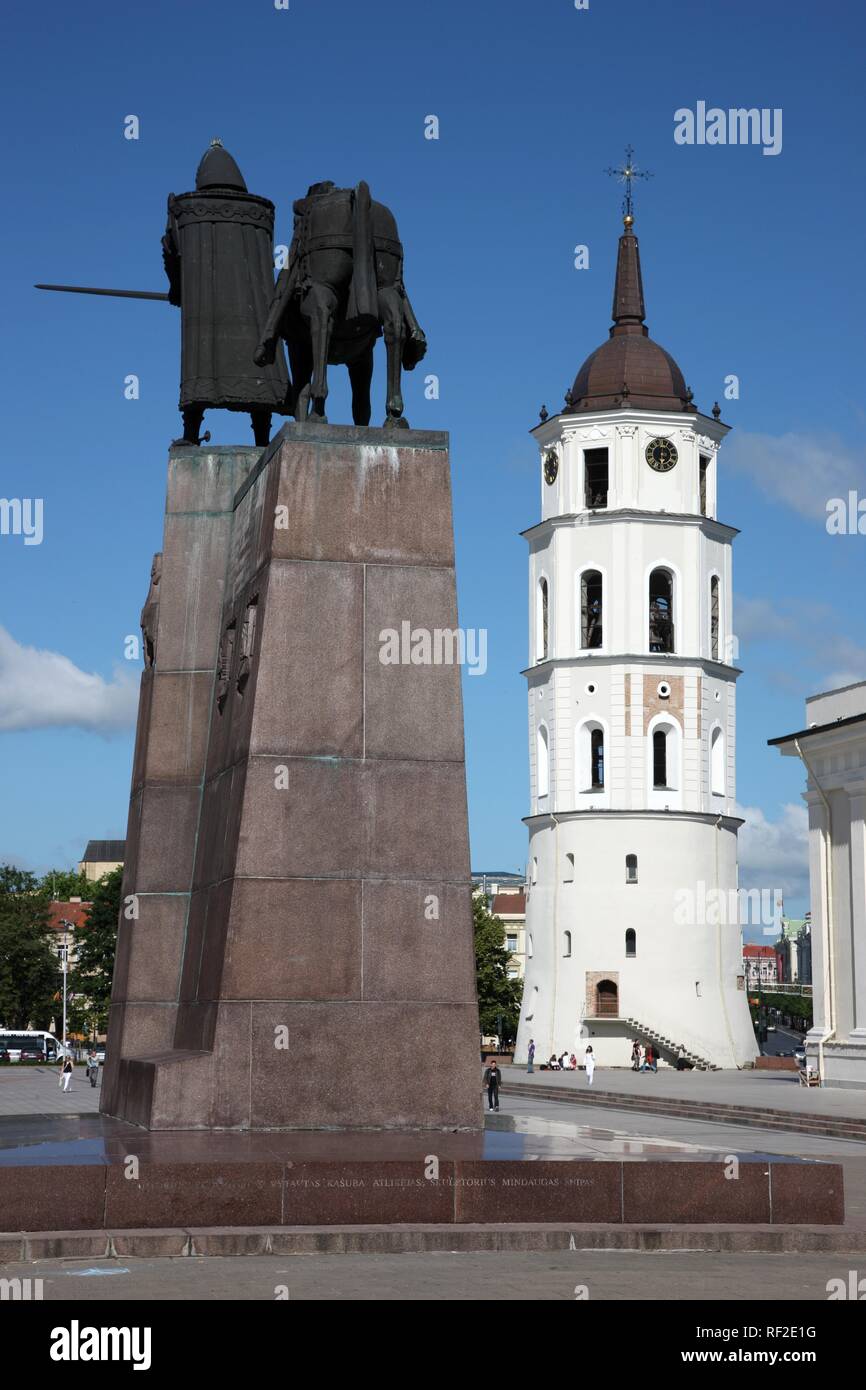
629	369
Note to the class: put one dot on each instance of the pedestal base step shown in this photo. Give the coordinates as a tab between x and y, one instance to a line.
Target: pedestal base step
184	1189
396	1240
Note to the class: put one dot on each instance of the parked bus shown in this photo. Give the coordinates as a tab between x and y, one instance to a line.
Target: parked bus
32	1042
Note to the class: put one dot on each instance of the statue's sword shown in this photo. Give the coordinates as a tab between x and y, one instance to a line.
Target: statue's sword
115	294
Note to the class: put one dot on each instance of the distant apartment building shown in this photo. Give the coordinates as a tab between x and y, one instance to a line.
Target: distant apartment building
506	899
759	966
101	857
501	881
65	919
794	951
510	907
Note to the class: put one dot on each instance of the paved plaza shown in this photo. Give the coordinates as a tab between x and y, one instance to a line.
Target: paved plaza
559	1276
565	1130
37	1091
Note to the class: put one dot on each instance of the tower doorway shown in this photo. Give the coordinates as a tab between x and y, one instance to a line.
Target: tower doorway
606	999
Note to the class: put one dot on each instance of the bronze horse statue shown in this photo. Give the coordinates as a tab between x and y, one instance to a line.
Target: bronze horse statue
341	290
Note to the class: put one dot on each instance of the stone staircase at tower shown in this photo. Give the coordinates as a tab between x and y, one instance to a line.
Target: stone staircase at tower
647	1034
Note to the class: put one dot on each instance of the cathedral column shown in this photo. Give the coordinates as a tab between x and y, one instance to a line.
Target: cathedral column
819	859
857	800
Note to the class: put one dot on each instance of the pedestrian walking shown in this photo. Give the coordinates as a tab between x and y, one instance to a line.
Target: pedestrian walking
66	1073
92	1067
635	1056
589	1063
492	1078
530	1056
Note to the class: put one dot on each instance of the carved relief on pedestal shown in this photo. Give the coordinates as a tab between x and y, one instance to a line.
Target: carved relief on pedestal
248	640
150	613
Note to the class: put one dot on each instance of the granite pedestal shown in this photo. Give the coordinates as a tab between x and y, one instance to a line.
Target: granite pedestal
295	949
89	1173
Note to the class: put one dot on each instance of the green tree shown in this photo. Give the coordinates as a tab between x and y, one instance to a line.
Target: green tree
29	967
497	994
96	945
63	884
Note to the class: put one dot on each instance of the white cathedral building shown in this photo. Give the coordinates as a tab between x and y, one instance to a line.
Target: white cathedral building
632	717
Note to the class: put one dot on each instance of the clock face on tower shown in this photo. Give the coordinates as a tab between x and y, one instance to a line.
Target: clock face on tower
551	466
661	455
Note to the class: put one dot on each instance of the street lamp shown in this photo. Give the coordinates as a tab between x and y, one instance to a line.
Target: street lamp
63	952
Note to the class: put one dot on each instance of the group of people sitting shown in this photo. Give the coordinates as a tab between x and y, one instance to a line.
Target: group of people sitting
566	1062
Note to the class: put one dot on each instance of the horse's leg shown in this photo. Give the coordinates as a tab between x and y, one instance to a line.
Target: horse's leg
360	375
301	364
391	314
318	308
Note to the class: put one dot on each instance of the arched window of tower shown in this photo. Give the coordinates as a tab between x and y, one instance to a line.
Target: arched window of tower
661	611
591	609
631	942
664	755
631	868
589	756
542	621
569	869
660	758
596	759
714	617
704	466
595	478
717	762
543	769
566	943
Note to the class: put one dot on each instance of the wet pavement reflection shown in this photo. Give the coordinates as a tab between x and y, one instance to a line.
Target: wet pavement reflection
51	1140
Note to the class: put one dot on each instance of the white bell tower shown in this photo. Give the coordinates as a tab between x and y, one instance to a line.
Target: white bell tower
632	717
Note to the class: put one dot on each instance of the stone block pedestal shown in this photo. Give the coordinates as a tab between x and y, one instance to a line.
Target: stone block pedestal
296	946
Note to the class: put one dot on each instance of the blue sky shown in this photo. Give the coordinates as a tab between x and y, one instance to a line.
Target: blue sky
750	267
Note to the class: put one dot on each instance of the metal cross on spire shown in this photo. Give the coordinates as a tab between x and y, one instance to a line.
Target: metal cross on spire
626	174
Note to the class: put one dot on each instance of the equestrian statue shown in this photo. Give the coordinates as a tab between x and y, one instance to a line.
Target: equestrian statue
341	289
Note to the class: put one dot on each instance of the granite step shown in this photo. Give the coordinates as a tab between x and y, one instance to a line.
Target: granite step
221	1241
758	1117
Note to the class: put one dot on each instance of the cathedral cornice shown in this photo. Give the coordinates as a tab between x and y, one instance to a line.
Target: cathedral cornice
716	530
589	425
702	817
664	661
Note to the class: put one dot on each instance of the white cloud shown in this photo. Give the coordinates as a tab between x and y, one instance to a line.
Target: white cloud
775	854
825	657
44	690
803	471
